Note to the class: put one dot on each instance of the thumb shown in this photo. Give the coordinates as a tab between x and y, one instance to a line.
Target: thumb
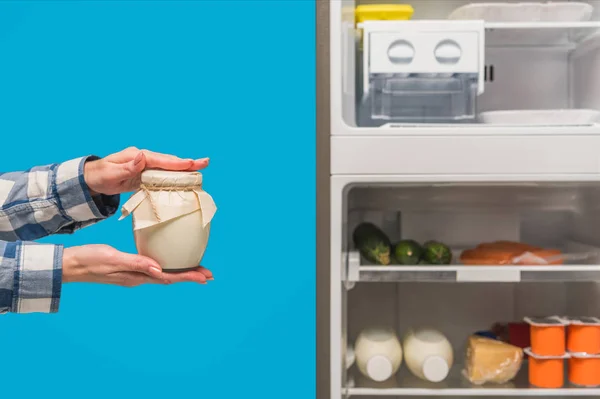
132	168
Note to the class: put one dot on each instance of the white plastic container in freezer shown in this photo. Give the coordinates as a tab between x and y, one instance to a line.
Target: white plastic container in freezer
420	72
524	12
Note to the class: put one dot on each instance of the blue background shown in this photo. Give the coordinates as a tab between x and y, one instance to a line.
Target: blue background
232	80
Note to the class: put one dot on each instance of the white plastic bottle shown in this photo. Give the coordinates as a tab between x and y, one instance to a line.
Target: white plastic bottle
378	353
428	354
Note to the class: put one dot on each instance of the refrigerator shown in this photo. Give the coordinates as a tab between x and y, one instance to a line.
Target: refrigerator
464	124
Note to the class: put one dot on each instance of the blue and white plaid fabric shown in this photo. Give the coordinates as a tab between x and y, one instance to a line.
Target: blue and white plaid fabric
52	199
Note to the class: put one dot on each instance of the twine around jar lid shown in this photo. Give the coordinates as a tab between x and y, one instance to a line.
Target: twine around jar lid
165	180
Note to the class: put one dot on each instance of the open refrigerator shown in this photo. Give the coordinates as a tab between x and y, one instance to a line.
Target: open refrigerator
466	124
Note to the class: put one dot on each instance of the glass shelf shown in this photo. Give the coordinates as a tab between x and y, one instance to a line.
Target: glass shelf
405	384
578	267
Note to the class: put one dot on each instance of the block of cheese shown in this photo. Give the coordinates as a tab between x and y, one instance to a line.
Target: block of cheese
489	360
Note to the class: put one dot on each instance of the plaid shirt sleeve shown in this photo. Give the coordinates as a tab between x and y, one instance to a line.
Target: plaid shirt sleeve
52	199
30	277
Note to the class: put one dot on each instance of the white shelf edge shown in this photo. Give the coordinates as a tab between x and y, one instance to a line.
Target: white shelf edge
480	274
473	392
543	25
461	268
474	129
386	24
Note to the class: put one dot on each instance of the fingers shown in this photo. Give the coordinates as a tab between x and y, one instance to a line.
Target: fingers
198	275
200	164
155	160
207	273
138	264
132	279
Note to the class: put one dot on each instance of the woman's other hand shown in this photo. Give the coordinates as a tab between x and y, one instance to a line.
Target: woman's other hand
104	264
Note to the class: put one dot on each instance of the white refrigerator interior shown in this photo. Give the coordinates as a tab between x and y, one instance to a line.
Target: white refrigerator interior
470	123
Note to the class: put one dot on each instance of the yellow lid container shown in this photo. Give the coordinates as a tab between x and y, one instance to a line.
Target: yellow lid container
383	12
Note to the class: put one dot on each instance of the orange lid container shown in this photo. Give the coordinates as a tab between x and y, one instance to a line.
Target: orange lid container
583	335
584	370
546	371
548	335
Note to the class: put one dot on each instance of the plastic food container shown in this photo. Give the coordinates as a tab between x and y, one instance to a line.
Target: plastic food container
519	335
428	354
171	218
546	371
383	12
583	335
378	353
584	370
548	335
419	99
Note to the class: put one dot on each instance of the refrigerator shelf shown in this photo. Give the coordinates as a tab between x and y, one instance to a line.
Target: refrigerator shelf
404	384
524	34
512	34
583	272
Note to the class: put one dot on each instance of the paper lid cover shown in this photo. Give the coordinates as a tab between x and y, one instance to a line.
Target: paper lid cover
166	178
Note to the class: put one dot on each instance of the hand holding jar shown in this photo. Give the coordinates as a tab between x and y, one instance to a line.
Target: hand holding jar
121	173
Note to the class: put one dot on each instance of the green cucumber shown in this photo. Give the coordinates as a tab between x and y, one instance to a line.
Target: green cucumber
372	243
408	252
436	253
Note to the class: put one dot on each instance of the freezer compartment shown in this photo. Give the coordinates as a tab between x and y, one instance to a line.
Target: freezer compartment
491	232
523	64
459	311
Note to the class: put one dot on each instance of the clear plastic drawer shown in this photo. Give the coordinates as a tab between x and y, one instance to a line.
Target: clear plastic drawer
423	98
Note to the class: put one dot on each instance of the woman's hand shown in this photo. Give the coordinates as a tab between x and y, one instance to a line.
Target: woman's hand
120	172
106	265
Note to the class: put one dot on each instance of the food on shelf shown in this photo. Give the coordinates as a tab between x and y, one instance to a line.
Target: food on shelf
554	339
383	12
491	361
428	354
583	335
548	335
378	353
540	256
510	253
437	253
487	334
584	370
546	371
372	243
350	357
375	246
408	252
507	245
519	334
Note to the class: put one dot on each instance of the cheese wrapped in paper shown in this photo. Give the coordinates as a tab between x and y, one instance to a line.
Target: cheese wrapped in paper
491	361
